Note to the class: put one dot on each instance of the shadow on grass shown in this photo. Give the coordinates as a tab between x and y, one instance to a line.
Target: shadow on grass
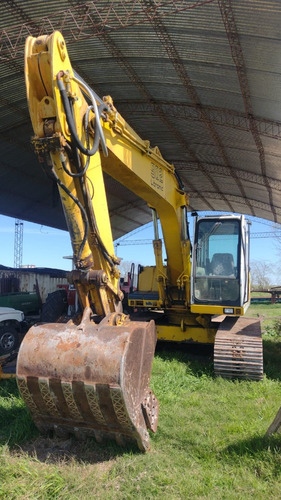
199	357
272	357
260	452
255	446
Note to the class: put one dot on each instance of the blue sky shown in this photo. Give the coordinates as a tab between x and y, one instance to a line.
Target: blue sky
46	247
42	246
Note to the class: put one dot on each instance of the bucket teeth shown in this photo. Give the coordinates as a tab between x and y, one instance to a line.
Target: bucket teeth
114	401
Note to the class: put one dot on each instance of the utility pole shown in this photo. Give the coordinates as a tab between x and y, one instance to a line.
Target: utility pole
18	244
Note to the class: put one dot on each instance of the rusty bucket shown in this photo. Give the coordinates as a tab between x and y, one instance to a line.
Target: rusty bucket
89	379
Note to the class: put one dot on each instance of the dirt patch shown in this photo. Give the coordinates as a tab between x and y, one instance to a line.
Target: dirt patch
55	450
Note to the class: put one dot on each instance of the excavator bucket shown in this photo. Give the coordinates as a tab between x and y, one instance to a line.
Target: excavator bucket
90	379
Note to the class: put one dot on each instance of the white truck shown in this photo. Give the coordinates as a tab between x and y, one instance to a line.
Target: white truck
11	321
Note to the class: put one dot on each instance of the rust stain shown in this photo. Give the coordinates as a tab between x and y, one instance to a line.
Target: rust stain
66	345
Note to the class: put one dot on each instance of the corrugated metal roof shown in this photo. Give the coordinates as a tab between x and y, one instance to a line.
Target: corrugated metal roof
198	78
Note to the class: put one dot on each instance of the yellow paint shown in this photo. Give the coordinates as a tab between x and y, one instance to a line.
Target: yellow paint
146	174
6	375
175	333
217	310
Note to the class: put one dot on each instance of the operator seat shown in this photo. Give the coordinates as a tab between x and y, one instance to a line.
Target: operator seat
222	264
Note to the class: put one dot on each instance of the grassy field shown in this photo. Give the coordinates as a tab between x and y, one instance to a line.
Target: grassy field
210	441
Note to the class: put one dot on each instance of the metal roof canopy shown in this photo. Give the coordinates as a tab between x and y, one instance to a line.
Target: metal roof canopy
199	79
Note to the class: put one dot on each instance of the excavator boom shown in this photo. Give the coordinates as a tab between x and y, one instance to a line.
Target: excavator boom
89	376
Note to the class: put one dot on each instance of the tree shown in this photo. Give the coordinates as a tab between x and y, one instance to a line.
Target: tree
260	274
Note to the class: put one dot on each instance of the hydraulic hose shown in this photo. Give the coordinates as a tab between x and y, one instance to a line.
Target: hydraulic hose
83	212
67	109
79	174
177	176
86	88
93	98
98	110
76	157
85	220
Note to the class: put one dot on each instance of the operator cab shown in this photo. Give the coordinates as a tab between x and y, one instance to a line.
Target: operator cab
220	265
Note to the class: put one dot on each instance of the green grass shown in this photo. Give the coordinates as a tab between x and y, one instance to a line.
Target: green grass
267	312
209	445
264	309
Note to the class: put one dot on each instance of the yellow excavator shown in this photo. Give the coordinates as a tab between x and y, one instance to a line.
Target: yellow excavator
91	375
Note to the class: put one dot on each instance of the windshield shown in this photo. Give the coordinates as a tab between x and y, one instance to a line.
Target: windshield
217	261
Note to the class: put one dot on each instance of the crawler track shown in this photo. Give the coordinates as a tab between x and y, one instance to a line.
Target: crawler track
238	351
